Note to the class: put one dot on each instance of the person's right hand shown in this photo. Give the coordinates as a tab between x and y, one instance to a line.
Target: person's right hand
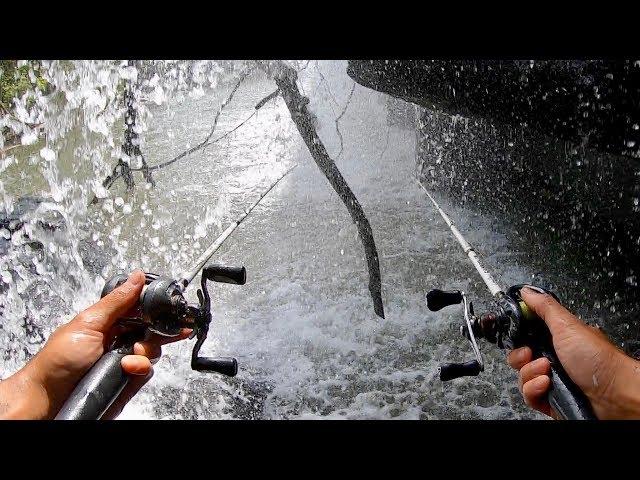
608	377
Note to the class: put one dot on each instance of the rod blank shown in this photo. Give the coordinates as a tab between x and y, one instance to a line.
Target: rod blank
191	274
491	284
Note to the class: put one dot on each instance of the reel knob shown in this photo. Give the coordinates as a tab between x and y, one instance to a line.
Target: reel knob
225	365
224	274
438	299
450	371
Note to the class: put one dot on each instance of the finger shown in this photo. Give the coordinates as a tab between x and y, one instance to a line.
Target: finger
136	365
540	366
535	394
557	318
102	315
151	346
519	357
133	386
164	340
151	350
118	330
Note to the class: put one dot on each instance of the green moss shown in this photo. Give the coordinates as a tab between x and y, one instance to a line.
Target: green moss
15	81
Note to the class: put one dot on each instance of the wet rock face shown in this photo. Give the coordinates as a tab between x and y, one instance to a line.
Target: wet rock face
595	103
569	211
547	150
32	234
25	210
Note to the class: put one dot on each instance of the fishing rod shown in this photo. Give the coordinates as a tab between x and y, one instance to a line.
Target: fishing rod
510	325
162	309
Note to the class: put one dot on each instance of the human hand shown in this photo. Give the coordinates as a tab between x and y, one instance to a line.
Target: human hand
609	378
40	388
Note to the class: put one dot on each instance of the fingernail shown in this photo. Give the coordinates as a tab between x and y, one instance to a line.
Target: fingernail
136	277
532	289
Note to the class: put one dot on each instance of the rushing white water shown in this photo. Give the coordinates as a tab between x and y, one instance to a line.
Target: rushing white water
303	328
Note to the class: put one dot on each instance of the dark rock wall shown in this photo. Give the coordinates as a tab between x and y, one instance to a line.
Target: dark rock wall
584	102
563	186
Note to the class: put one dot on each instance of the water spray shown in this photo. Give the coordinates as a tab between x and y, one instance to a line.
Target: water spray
511	325
162	309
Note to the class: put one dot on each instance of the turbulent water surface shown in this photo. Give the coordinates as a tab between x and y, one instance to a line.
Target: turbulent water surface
303	327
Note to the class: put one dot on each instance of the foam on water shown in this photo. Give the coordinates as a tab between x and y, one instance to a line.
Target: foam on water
303	328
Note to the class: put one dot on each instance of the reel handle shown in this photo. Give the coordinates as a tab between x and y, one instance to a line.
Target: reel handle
450	371
224	274
102	384
438	299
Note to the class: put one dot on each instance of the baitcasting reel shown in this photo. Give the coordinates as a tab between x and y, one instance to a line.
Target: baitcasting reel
510	325
164	310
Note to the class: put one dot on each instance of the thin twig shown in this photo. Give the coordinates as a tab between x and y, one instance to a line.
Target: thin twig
305	66
258	106
386	144
213	127
344	110
326	85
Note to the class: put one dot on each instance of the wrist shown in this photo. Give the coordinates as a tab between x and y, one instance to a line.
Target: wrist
22	397
623	398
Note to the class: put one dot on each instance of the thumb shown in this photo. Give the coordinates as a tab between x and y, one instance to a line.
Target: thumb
557	318
102	315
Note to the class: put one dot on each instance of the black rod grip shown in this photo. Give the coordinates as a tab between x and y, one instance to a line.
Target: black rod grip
98	388
438	299
224	274
449	371
564	396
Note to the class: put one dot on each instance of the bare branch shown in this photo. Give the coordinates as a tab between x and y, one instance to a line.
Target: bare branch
344	109
337	121
285	78
386	144
204	143
305	66
326	84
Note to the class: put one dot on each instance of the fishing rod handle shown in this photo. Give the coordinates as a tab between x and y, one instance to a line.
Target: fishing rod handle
98	389
565	397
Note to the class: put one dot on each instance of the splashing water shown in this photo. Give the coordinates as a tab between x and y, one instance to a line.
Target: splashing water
302	328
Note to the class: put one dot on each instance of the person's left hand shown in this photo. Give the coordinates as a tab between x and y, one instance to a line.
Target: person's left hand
40	388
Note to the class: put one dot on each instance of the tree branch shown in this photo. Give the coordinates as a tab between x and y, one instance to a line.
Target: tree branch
337	121
125	170
204	143
344	109
285	77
